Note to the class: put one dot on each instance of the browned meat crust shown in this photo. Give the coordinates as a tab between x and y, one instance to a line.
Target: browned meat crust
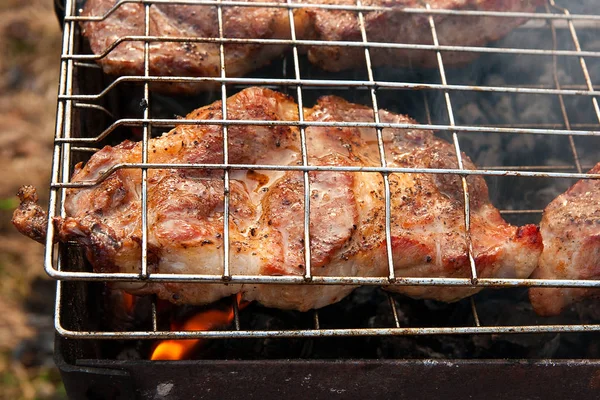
29	217
202	59
571	231
347	218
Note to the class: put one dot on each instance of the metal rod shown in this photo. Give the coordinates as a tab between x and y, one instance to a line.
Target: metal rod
394	310
154	314
332	168
236	312
474	311
469	330
382	125
61	154
85	149
334	83
144	273
385	176
325	280
79	64
224	129
561	99
465	187
303	149
582	62
344	7
317	43
520	212
585	71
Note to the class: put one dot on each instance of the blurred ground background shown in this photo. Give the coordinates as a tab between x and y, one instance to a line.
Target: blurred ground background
29	60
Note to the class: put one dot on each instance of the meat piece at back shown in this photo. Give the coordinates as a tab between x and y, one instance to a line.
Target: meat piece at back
571	231
202	59
266	223
187	59
395	26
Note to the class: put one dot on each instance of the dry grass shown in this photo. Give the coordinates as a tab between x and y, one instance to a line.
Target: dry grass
30	42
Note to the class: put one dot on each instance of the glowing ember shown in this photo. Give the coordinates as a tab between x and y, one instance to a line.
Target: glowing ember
204	321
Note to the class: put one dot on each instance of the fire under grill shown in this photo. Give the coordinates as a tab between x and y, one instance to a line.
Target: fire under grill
525	110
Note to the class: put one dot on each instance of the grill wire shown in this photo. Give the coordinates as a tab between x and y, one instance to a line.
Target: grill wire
68	146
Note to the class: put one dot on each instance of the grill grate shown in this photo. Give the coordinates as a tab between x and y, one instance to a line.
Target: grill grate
437	94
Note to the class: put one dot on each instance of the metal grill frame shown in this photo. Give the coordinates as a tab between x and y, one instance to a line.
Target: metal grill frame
66	144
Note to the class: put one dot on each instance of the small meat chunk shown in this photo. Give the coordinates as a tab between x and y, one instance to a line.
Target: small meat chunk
571	232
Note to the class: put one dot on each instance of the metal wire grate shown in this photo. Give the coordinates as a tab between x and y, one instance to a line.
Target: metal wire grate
71	143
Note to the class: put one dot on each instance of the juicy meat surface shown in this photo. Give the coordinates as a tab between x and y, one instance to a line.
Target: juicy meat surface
570	229
199	59
347	212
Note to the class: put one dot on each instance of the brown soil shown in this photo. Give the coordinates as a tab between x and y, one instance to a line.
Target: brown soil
30	38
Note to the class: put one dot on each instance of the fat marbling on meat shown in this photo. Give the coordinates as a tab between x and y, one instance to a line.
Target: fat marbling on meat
347	211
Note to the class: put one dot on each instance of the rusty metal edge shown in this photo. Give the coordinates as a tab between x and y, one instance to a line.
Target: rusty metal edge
329	379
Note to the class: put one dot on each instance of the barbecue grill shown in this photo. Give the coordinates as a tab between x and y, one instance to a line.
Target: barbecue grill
527	158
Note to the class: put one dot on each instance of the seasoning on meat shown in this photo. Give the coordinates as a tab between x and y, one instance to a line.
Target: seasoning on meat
347	210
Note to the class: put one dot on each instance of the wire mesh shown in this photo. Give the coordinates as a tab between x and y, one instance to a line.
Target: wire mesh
73	143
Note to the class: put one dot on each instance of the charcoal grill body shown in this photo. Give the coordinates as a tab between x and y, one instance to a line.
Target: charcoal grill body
87	373
320	379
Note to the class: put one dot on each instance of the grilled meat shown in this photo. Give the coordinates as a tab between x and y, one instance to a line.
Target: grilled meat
195	59
396	26
427	211
198	59
571	232
31	220
347	212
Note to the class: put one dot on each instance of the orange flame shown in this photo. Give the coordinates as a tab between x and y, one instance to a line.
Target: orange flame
128	302
204	321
